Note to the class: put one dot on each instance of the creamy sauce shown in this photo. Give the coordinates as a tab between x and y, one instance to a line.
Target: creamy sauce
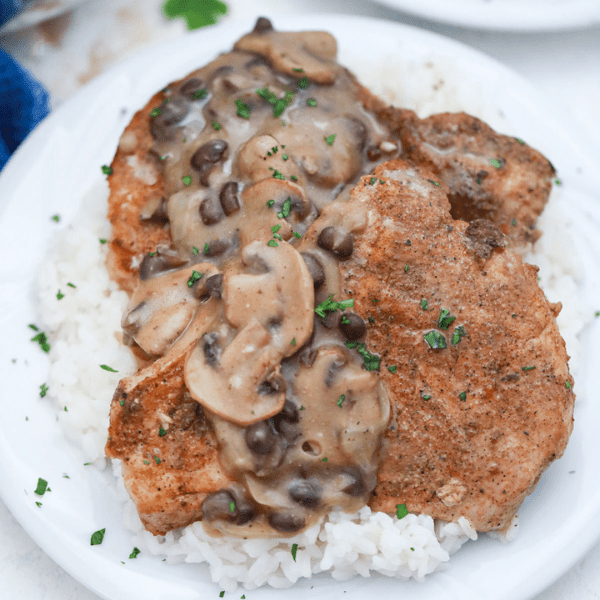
297	416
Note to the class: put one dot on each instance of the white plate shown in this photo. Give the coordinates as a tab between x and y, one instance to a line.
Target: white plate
505	15
61	160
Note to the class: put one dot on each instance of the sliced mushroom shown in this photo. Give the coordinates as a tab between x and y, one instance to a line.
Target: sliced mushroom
161	308
257	160
312	51
246	386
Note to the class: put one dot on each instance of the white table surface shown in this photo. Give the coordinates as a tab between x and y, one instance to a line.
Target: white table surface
70	51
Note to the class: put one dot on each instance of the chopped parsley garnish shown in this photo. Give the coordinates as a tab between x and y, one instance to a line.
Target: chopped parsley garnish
195	250
97	537
298	70
275	228
434	182
43	390
303	83
445	319
495	163
186	180
328	306
56	218
311	102
156	460
106	170
161	431
392	368
195	276
568	385
121	402
232	506
216	125
459	333
42	487
206	248
155	112
284	156
463	396
294	551
270	203
42	339
243	110
102	240
272	243
408	243
557	181
406	268
38	504
146	462
293	342
222	594
424	304
435	340
513	222
196	14
294	178
286	208
371	361
72	285
296	234
426	397
278	175
107	368
324	459
279	104
520	140
373	181
200	94
134	553
351	344
329	139
401	511
345	320
59	295
527	368
341	400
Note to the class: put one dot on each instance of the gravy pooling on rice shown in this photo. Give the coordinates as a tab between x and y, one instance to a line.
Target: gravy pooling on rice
258	406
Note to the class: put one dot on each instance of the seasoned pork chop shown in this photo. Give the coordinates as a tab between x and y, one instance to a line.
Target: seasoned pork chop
489	175
480	388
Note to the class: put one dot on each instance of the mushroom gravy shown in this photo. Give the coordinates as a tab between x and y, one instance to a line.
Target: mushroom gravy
251	150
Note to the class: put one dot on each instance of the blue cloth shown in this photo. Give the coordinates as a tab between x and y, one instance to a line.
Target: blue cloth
23	101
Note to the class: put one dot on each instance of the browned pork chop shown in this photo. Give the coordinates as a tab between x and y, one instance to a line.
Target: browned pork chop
489	175
470	352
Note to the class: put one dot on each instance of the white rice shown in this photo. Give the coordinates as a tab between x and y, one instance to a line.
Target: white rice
85	326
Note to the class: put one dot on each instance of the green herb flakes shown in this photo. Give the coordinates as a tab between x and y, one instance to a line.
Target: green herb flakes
408	243
103	240
341	400
406	268
495	163
463	396
146	462
293	342
121	402
434	182
196	14
38	504
216	125
195	250
278	175
294	551
155	112
345	320
187	180
272	243
243	110
329	139
72	285
43	390
520	141
557	181
135	552
527	368
324	459
206	248
296	234
195	276
371	361
97	537
426	397
459	334
401	511
106	170
328	306
303	83
107	368
222	594
424	304
161	431
156	459
568	385
42	487
435	340
232	507
284	156
311	102
373	181
42	339
56	218
351	345
392	369
445	320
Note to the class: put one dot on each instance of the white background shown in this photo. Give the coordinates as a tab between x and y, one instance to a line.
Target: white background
69	51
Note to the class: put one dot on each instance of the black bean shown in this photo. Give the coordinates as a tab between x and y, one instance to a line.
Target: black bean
217	247
229	198
307	493
334	241
260	438
171	113
214	285
352	326
263	25
286	522
156	263
210	212
190	88
315	268
373	153
211	349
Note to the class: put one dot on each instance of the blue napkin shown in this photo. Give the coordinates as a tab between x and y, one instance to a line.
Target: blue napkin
23	101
